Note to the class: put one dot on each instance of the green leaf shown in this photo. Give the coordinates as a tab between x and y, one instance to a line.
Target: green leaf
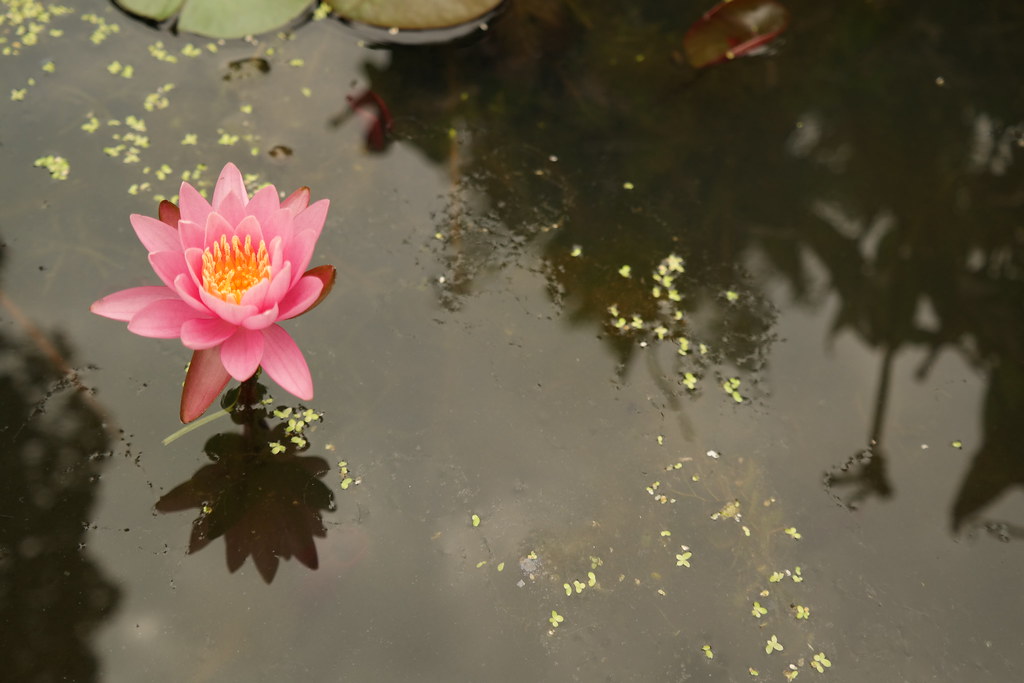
152	9
220	18
237	18
418	14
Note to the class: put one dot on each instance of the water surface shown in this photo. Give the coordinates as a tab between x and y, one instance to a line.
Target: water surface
847	212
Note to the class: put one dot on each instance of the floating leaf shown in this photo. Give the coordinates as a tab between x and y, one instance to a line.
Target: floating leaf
732	29
220	18
773	645
58	166
421	14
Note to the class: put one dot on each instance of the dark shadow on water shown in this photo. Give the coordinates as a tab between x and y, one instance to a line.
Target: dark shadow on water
264	498
998	465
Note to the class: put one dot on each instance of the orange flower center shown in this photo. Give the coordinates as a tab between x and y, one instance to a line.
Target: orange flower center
231	270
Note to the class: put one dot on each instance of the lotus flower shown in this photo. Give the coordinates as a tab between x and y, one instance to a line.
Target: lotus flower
230	271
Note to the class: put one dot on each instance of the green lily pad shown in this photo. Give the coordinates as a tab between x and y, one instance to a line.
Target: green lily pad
733	29
220	18
415	14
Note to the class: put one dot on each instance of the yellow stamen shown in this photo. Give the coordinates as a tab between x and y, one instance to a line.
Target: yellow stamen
229	271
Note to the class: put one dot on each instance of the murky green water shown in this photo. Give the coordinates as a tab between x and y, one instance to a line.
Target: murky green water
808	437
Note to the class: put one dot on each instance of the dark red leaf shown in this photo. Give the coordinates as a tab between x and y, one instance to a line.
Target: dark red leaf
327	275
169	213
205	379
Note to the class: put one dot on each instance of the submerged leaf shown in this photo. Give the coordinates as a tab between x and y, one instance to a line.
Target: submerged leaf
732	29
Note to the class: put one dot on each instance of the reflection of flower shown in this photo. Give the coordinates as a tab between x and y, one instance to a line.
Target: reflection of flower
230	272
267	507
266	502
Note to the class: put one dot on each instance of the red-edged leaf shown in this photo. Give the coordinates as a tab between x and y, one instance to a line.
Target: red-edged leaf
205	379
733	29
327	275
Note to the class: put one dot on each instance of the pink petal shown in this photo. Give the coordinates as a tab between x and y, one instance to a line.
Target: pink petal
193	206
241	353
299	251
301	297
186	288
230	181
169	213
264	203
297	201
205	379
285	364
155	235
277	224
280	283
275	248
192	234
232	207
249	227
194	261
261	320
168	265
327	275
205	333
216	227
161	319
313	218
257	295
126	303
232	313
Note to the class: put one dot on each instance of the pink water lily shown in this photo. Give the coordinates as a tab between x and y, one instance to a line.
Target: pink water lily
230	271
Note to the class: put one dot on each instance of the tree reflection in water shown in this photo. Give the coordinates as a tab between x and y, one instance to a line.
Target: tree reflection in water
898	199
53	596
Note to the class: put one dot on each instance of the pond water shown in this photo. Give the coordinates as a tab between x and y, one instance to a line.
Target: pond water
631	372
